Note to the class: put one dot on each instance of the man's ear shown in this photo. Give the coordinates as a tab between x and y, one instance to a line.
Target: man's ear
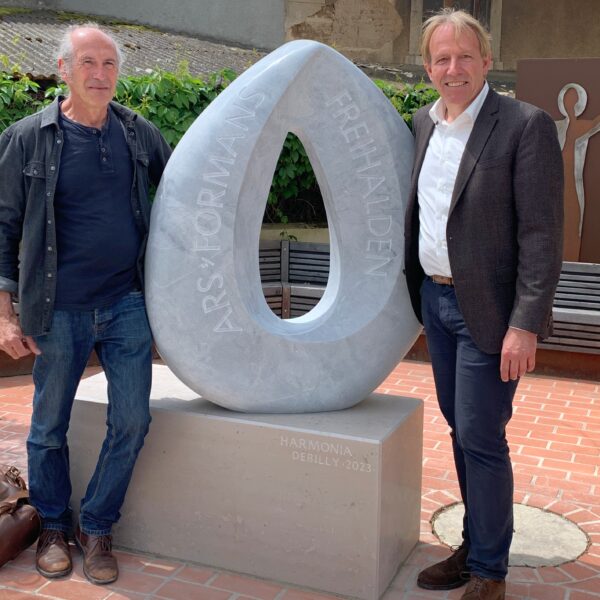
427	68
488	63
62	69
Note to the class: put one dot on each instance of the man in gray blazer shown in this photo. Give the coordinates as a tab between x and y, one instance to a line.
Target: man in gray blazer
483	257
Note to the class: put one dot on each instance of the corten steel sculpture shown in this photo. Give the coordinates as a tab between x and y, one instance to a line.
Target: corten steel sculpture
210	319
569	90
574	134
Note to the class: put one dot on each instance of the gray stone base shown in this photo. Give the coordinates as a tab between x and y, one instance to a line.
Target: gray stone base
329	501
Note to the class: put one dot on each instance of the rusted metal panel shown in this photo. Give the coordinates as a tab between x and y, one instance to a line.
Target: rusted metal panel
569	90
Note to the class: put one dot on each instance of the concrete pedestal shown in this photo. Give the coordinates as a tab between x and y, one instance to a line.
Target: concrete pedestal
329	501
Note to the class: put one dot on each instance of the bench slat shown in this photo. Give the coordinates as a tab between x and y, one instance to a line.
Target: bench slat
575	334
573	341
586	328
569	344
572	315
303	269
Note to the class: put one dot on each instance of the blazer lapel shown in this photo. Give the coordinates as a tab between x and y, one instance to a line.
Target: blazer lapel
485	122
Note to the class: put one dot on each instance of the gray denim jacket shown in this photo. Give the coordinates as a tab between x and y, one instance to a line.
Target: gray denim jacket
29	161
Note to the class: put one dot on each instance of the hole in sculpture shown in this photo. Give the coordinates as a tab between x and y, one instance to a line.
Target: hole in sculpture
294	249
294	196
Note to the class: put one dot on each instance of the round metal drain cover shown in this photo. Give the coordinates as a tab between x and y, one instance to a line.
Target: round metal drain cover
541	538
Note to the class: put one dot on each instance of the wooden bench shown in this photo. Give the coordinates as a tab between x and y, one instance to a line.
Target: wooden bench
576	310
293	275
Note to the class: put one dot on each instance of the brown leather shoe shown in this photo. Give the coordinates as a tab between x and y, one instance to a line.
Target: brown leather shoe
480	588
447	574
99	564
53	557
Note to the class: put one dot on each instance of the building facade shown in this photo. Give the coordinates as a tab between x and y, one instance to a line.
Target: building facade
388	31
385	32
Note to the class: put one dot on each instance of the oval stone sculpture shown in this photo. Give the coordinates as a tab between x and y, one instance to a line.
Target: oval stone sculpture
209	317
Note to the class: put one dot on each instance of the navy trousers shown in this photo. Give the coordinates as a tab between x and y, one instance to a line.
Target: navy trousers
477	405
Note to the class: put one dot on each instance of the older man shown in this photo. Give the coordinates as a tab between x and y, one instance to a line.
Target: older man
483	257
74	214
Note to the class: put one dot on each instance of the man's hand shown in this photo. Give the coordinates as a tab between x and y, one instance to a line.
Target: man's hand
518	353
12	340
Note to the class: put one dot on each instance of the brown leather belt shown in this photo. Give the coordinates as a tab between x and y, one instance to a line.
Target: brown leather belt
442	279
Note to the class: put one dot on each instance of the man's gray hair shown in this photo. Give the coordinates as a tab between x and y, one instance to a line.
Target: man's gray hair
65	49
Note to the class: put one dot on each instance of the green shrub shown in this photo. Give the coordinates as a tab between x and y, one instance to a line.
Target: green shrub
407	98
18	98
172	101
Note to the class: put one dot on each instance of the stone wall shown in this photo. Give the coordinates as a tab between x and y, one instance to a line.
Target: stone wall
542	29
366	30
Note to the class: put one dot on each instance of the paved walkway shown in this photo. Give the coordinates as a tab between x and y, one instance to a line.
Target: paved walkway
555	445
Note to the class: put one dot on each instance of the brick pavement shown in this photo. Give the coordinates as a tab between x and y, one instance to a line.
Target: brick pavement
555	445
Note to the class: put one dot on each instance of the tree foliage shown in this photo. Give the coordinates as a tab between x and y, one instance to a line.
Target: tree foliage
172	101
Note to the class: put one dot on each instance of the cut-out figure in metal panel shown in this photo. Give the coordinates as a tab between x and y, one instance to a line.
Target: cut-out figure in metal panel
573	135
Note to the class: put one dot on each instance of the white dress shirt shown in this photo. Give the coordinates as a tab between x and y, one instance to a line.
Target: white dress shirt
436	181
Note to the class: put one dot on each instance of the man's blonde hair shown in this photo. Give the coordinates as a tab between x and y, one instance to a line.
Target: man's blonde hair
460	20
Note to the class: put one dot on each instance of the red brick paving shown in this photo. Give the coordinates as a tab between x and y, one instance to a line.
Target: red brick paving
555	447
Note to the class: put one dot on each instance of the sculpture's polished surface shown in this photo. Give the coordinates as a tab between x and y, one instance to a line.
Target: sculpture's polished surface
208	314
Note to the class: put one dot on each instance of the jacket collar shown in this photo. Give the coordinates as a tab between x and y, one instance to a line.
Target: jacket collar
485	123
51	115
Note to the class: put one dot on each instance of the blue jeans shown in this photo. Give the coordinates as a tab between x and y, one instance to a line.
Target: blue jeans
121	336
477	405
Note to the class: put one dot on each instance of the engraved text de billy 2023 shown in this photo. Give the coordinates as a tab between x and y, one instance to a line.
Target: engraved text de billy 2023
210	201
324	453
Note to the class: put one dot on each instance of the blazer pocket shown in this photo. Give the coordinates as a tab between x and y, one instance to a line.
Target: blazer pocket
493	163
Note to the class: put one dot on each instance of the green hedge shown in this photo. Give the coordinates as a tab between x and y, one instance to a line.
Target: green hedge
172	101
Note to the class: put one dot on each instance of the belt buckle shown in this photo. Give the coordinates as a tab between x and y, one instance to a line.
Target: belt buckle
442	280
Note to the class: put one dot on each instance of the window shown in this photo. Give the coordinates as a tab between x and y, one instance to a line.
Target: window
480	9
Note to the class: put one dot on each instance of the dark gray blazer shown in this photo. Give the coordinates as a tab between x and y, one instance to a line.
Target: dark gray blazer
504	230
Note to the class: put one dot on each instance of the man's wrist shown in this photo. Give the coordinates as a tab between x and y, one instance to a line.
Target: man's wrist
6	305
524	330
